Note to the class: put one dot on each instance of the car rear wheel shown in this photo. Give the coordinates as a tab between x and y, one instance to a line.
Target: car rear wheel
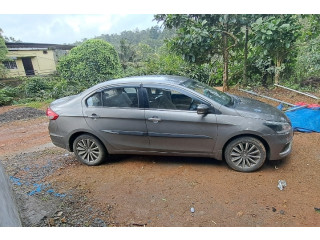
89	150
245	154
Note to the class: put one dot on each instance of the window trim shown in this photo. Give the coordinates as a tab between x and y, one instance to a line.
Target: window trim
109	88
86	99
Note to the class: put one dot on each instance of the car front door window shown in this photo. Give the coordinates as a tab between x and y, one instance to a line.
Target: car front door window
160	98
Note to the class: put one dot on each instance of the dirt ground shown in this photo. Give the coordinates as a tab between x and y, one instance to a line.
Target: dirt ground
54	189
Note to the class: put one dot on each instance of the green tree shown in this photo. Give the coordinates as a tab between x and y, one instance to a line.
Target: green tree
200	37
308	60
310	27
3	55
154	37
246	21
89	63
127	53
155	32
165	62
275	37
144	52
307	63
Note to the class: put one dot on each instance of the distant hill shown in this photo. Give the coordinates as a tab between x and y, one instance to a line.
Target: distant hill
154	37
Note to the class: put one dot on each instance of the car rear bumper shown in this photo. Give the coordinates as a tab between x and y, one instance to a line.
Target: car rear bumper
58	140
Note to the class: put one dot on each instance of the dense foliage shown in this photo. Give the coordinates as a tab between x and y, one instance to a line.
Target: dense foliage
3	53
246	49
153	37
89	63
275	38
201	36
37	89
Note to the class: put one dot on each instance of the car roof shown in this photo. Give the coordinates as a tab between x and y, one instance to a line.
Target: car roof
151	79
146	79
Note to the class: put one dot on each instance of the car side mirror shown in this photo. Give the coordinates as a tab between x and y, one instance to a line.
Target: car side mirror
202	109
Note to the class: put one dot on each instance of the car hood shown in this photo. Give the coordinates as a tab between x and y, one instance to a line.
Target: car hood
247	107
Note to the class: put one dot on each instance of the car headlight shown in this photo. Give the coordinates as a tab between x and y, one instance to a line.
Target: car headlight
279	127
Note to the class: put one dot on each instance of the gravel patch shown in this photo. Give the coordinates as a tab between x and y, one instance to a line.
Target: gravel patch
21	114
43	203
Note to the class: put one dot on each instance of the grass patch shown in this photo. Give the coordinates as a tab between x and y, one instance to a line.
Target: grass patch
37	104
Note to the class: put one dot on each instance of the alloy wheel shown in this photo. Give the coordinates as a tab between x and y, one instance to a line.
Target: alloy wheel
88	150
245	155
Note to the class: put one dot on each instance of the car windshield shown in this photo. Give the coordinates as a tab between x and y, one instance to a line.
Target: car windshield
209	92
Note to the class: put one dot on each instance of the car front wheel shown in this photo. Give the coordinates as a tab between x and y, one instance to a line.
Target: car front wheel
89	150
245	154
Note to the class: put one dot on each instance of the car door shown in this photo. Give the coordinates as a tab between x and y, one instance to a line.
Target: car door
174	125
115	114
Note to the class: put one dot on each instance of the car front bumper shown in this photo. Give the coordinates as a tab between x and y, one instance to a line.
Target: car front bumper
280	145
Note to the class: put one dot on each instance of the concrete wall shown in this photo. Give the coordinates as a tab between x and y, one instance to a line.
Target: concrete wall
9	216
43	61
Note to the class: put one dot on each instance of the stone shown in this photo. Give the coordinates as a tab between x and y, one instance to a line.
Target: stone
51	222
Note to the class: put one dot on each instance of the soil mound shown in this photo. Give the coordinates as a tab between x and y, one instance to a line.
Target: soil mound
20	114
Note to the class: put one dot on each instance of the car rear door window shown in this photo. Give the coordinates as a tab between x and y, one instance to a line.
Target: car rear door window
115	97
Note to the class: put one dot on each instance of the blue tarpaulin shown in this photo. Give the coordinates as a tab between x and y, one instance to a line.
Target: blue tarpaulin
305	119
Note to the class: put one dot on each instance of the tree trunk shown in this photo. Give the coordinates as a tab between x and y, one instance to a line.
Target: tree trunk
225	62
277	72
264	79
244	81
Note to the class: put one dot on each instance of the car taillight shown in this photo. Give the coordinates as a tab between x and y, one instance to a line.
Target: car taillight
51	114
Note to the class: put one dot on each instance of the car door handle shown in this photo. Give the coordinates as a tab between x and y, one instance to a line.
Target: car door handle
94	116
155	119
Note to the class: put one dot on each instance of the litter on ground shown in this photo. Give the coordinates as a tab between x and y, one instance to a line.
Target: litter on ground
282	184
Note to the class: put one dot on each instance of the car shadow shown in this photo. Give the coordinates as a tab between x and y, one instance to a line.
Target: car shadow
178	160
276	164
165	160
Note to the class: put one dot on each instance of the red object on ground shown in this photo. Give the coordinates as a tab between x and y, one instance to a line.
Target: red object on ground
309	105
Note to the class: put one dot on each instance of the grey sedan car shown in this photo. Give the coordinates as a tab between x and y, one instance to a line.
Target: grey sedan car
168	115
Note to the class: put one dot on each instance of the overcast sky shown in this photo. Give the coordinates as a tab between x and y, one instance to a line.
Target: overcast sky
26	21
69	28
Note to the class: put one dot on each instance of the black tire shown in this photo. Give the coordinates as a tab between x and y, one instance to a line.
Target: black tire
89	150
245	154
